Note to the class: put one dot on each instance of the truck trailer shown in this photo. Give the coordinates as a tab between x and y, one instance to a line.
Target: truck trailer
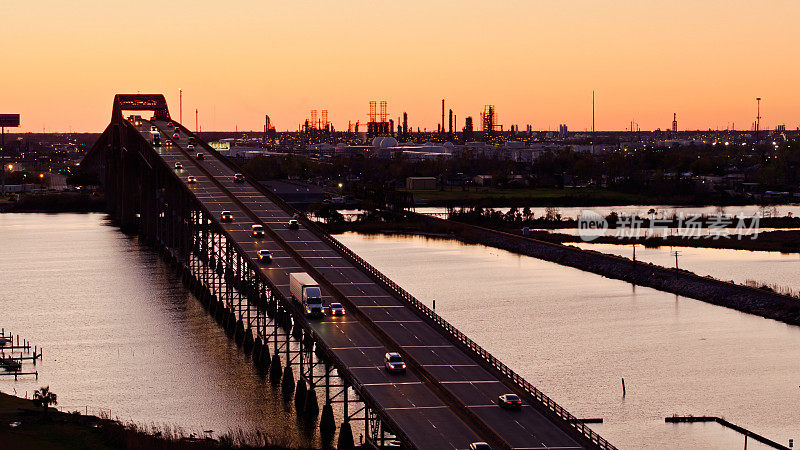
307	292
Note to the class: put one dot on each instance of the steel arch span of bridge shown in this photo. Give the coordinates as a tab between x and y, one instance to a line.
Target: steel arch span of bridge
447	398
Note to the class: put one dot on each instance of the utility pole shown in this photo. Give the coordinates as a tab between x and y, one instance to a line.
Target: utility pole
593	122
180	101
758	116
676	253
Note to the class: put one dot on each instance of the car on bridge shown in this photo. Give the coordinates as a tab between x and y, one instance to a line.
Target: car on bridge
509	401
178	165
176	135
153	129
257	230
190	147
191	179
264	256
226	216
238	178
479	446
293	224
336	309
200	156
394	363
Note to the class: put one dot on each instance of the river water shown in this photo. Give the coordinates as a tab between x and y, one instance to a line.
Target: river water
119	331
122	335
774	269
576	335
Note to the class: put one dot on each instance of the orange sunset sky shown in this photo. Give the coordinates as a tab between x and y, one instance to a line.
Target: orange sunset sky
536	60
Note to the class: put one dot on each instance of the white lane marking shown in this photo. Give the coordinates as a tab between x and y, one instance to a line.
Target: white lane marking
451	365
356	347
416	407
378	306
429	346
397	321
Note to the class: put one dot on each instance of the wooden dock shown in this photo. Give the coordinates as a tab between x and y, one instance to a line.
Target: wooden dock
12	365
747	433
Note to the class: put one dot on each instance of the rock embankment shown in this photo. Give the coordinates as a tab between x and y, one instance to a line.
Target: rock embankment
756	301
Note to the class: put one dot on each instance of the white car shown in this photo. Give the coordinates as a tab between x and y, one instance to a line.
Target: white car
265	256
394	363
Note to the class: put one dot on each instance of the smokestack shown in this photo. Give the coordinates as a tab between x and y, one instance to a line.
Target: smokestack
450	125
405	124
442	129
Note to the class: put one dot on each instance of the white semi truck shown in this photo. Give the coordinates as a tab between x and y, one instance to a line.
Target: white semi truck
306	291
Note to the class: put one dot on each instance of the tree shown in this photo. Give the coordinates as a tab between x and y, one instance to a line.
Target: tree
44	398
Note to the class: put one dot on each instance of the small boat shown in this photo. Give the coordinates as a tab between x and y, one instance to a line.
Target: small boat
10	364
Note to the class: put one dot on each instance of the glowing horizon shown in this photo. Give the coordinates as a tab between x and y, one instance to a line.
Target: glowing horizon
537	62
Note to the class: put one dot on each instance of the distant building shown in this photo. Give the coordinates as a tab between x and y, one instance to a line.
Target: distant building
562	131
223	147
421	183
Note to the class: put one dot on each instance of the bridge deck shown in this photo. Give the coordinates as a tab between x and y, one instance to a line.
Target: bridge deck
427	419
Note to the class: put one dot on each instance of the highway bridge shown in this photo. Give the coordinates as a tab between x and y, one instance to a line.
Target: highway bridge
447	398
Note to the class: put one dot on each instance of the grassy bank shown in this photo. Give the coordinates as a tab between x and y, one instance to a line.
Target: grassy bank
787	241
497	197
491	196
58	430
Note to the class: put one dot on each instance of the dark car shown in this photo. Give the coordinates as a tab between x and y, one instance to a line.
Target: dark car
257	230
337	309
292	224
201	156
178	165
394	363
226	216
238	178
264	256
509	401
191	179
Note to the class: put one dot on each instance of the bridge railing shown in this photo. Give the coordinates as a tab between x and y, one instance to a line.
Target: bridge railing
549	405
498	365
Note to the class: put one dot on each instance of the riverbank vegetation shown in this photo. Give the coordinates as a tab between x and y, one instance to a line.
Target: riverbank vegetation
24	426
787	241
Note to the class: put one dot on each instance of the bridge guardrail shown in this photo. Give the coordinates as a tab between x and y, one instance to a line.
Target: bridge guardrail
526	386
549	404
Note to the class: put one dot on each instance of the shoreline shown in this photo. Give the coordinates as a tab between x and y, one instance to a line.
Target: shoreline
783	241
762	302
27	426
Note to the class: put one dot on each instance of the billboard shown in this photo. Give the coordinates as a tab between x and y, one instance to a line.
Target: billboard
9	120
